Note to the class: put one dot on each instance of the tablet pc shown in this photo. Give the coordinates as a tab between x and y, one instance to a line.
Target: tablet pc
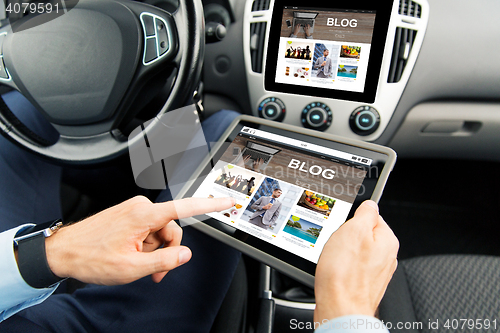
327	49
293	188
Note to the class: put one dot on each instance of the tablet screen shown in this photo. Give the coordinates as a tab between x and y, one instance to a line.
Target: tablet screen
319	51
290	191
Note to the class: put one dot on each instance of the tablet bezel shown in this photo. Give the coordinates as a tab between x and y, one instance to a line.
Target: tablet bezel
382	18
288	263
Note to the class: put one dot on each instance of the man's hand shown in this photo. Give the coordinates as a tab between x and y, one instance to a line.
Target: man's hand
323	64
122	244
268	206
307	30
355	266
257	163
243	160
296	30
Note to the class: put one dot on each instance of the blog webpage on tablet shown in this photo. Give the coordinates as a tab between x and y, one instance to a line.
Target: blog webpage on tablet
288	192
325	48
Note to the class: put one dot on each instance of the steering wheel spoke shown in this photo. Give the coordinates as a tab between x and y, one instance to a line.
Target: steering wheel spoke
160	40
90	70
5	76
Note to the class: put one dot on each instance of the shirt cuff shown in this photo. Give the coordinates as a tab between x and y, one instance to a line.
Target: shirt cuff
309	37
15	293
293	36
352	324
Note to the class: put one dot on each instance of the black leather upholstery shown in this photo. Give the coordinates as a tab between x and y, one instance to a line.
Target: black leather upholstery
443	287
232	313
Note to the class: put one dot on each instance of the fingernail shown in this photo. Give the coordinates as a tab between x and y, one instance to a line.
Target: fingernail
184	256
233	201
372	204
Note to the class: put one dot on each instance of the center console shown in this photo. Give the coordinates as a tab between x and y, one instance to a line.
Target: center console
356	93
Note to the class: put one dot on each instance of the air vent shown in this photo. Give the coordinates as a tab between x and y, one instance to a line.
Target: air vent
410	8
257	38
403	43
260	5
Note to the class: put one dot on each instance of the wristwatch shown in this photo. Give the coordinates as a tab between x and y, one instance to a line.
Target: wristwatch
31	256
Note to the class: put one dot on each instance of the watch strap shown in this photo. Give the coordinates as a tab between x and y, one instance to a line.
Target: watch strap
32	262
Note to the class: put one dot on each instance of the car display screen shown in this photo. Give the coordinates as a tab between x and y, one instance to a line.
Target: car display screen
325	49
327	52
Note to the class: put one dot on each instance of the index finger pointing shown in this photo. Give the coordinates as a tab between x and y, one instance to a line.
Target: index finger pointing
179	209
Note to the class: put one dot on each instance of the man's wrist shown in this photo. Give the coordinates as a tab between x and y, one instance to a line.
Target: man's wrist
31	257
57	258
351	323
325	312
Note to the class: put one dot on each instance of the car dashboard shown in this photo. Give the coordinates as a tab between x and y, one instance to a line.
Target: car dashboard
436	97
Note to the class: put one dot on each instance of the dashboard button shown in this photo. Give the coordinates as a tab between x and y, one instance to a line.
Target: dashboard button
317	116
364	120
150	52
272	108
163	42
271	111
149	25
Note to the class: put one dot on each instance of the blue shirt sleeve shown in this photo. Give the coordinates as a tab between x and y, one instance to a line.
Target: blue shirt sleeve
15	293
353	324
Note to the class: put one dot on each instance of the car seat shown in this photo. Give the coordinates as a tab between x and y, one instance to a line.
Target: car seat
438	291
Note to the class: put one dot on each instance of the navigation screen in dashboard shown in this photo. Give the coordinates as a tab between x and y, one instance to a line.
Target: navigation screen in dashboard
289	193
327	52
325	49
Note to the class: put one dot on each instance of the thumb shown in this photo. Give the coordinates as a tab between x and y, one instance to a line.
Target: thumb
368	204
367	214
163	259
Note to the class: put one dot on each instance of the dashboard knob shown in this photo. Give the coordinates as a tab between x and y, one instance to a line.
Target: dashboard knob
317	116
272	108
364	120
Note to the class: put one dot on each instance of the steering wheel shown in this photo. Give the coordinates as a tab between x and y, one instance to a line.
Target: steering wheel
87	66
